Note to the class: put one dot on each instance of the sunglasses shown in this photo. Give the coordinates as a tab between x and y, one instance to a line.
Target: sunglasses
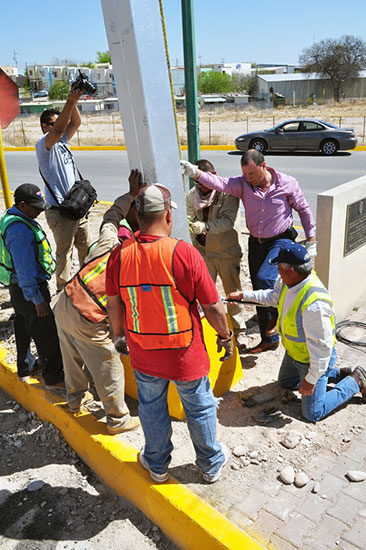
50	123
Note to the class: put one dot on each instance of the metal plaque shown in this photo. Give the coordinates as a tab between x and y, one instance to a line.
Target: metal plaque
355	234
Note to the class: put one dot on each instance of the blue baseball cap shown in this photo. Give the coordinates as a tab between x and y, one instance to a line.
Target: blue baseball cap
292	254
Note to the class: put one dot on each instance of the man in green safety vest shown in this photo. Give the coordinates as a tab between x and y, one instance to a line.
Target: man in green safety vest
26	264
306	324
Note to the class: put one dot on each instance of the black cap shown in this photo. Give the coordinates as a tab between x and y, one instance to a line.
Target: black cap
292	254
30	194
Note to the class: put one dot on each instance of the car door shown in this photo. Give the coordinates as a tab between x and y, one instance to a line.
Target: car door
284	138
310	135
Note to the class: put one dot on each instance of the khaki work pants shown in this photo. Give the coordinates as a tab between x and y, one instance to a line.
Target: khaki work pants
67	233
85	343
229	272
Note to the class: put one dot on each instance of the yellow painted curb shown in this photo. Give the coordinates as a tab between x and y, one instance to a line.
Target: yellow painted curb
186	519
123	148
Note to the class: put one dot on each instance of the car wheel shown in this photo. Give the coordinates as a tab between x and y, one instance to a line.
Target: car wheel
329	147
259	145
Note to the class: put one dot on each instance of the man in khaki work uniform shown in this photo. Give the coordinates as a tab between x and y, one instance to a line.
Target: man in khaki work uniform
214	220
83	326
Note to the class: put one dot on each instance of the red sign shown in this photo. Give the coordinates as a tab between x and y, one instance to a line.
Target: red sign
9	100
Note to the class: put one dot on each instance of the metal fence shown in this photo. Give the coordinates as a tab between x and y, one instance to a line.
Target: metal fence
217	127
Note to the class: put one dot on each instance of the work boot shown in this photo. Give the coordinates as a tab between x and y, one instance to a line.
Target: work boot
263	346
359	374
59	387
131	425
241	340
87	398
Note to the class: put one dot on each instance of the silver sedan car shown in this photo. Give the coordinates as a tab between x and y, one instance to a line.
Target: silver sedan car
300	135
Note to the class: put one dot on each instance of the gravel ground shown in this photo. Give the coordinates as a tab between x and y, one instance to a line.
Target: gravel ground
75	507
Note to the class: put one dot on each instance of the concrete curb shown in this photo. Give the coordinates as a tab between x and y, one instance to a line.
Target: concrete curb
186	519
123	148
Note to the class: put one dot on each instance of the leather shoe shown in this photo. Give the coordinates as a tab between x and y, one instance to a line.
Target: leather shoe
344	372
359	374
263	346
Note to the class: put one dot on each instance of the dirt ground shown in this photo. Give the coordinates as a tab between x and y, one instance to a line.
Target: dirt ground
74	509
217	126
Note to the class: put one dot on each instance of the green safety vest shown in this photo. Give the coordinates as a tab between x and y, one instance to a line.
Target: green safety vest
290	326
44	255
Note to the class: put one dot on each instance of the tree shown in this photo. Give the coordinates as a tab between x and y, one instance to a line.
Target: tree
88	64
59	90
103	57
241	83
213	82
336	59
27	84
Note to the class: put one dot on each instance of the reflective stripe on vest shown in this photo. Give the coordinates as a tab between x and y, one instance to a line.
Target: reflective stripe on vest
157	314
86	289
290	327
44	253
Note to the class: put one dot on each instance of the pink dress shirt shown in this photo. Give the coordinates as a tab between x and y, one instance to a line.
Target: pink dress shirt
267	213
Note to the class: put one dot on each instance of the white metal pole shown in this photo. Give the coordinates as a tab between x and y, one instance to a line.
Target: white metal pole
136	44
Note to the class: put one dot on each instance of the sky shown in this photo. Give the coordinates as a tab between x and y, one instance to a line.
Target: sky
47	31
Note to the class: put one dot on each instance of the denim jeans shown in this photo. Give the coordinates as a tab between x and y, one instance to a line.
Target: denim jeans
200	408
263	275
318	405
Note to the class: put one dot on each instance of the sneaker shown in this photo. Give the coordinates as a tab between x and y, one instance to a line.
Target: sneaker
159	478
87	398
59	387
132	424
211	478
37	369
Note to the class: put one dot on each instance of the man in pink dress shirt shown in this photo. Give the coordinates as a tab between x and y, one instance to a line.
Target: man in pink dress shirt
268	198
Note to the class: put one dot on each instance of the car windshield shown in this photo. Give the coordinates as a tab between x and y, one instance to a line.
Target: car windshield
274	127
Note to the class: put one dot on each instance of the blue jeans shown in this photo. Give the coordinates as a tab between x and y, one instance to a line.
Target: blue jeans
318	405
263	275
200	408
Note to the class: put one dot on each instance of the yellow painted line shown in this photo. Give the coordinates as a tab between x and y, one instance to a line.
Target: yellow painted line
123	148
186	519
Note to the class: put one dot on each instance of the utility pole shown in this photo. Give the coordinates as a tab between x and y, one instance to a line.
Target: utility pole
190	76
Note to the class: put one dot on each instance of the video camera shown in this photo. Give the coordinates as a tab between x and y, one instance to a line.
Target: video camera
82	83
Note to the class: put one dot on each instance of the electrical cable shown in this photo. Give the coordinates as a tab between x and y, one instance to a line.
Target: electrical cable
345	324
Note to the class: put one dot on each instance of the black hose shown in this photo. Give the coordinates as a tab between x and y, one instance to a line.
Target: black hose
344	324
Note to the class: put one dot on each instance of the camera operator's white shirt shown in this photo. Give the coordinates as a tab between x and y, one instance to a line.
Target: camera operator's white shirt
57	167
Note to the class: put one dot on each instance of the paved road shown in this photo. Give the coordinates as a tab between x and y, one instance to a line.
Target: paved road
108	170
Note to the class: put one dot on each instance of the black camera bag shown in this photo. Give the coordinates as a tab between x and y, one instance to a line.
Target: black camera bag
78	200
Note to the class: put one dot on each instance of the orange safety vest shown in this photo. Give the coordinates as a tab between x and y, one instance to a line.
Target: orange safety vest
157	315
86	289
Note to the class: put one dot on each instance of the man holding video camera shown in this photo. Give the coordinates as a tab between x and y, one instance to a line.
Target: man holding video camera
57	168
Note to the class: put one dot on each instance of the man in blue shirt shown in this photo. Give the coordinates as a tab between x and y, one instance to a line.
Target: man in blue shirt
26	266
57	167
